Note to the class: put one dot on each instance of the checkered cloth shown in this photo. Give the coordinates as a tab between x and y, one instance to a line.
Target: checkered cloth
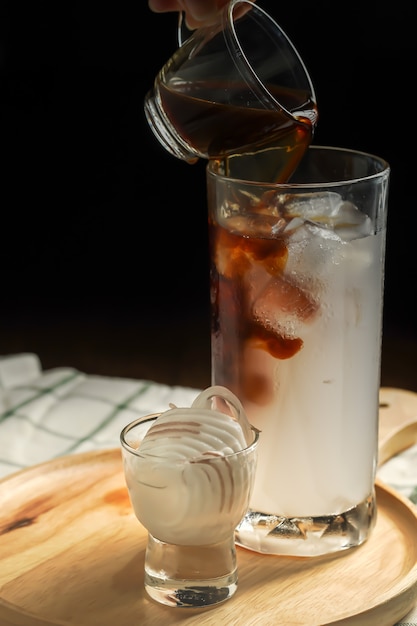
47	414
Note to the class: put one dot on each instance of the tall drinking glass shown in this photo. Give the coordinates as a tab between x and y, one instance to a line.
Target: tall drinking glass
297	298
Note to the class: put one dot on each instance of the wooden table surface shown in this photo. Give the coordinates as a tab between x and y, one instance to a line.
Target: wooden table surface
72	553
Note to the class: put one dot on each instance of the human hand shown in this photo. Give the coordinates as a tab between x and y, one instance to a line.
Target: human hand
197	12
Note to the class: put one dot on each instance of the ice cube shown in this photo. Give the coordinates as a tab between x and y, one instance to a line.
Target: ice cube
318	206
350	223
283	305
249	241
334	217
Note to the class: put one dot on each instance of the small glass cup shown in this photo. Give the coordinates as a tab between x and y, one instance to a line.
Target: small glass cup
233	87
190	509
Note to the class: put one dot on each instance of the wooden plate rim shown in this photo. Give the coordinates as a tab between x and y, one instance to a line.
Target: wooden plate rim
13	615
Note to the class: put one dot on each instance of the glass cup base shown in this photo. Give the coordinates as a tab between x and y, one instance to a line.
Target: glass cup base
307	536
190	576
183	593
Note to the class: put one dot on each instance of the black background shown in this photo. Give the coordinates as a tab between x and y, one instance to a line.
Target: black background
103	234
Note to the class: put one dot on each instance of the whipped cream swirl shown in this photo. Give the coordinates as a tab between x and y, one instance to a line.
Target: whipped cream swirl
191	475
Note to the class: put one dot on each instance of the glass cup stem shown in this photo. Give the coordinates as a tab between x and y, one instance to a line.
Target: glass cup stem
190	576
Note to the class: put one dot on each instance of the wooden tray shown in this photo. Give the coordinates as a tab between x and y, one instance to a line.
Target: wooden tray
71	554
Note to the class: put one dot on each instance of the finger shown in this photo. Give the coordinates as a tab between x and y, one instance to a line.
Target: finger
165	6
205	12
201	10
197	12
